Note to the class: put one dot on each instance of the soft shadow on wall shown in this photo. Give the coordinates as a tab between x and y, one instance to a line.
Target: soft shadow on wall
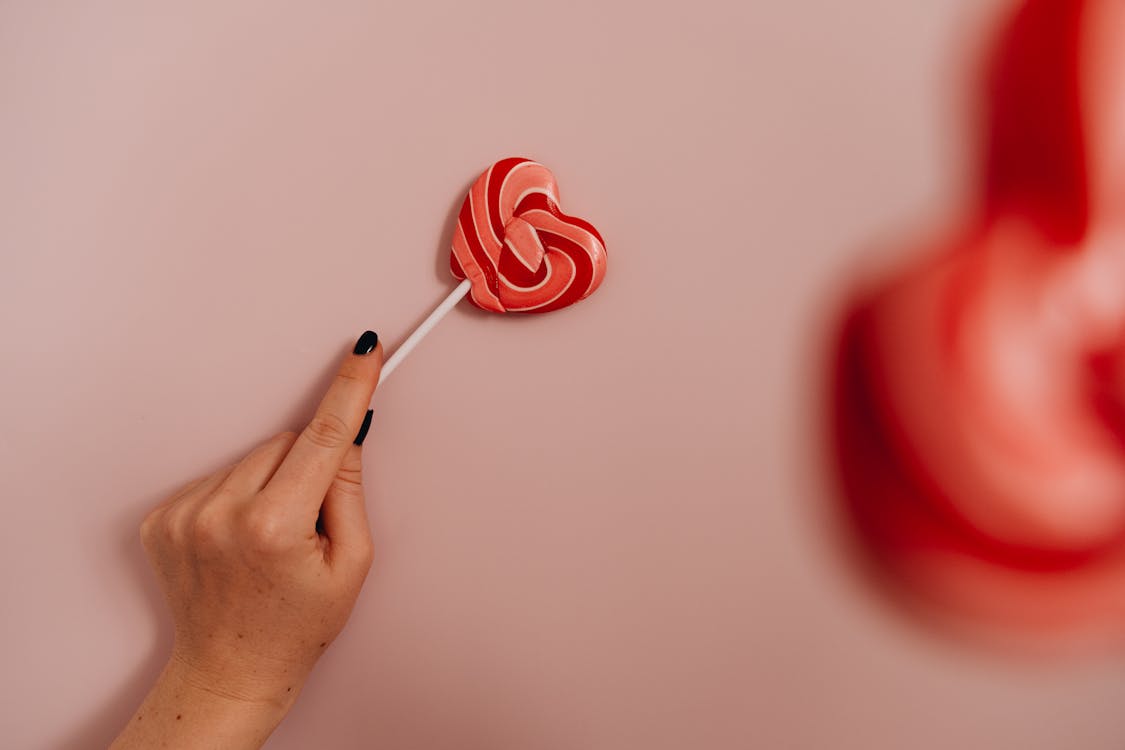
977	416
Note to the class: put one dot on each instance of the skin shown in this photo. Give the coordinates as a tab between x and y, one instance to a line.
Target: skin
261	564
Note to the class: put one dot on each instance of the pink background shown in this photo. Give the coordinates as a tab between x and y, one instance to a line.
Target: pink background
602	528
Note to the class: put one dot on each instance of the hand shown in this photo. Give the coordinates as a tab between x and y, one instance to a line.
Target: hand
261	564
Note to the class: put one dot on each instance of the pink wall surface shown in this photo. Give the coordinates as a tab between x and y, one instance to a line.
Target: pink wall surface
600	528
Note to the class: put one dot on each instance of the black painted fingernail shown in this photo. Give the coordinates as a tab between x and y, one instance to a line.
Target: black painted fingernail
367	343
364	428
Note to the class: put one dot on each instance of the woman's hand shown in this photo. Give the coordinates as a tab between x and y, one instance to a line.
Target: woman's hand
261	564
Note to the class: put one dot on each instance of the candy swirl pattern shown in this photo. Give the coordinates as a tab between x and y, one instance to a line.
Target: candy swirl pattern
521	253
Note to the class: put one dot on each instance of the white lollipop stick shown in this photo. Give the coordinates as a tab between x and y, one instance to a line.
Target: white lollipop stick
427	325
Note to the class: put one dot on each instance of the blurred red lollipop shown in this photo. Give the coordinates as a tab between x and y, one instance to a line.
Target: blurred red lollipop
980	394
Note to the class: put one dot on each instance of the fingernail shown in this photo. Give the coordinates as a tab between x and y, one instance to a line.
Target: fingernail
364	428
367	343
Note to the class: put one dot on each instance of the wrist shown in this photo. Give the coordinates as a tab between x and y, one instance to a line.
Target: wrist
186	708
232	686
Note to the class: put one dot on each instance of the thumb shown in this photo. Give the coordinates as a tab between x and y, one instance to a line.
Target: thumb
344	512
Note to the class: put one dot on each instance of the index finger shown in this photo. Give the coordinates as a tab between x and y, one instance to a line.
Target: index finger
307	471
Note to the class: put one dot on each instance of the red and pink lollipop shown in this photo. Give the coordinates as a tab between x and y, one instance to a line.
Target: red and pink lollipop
515	251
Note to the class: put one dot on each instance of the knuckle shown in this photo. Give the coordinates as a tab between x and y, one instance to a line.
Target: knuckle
150	529
207	528
148	524
170	529
286	438
351	372
328	431
349	481
263	530
367	554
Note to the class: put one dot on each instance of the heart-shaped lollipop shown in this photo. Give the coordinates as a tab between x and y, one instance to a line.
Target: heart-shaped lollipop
515	251
520	252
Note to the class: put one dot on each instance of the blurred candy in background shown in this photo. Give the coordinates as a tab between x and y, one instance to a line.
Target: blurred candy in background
979	394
